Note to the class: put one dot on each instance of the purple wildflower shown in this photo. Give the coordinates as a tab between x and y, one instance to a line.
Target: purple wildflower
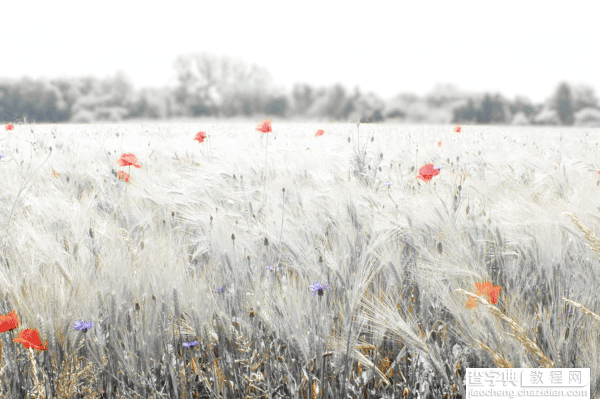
318	288
438	167
388	183
2	156
83	325
565	314
272	268
220	289
190	344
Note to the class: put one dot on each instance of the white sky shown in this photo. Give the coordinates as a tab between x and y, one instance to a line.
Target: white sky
512	47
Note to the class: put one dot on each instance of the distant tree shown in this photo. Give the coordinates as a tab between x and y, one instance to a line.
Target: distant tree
303	96
583	96
522	104
151	103
10	101
547	117
277	105
198	77
397	106
562	102
35	100
492	110
520	119
83	116
109	99
331	102
368	107
466	113
588	117
211	85
444	94
484	115
500	110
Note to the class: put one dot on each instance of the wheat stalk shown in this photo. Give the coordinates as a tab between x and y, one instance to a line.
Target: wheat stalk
583	308
520	332
499	360
38	387
589	234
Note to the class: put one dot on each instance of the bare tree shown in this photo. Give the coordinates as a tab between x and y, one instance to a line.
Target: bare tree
209	84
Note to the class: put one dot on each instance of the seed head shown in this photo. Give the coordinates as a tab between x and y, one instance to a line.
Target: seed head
266	242
233	236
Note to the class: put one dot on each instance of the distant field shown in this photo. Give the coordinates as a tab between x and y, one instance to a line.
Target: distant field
80	244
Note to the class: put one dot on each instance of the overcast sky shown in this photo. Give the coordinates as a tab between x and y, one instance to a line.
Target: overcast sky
512	47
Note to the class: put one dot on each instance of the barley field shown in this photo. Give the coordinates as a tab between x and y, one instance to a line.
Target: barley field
292	264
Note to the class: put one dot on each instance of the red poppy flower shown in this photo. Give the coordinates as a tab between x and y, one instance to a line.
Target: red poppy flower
9	322
319	132
457	129
200	136
427	172
488	290
55	173
128	160
9	126
123	175
264	127
439	143
31	339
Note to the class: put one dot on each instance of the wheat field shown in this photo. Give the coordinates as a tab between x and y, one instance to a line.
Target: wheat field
197	271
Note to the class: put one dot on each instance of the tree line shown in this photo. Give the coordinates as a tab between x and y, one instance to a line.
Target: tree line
225	87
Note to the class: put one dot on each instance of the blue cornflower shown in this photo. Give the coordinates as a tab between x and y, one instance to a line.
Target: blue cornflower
83	325
190	344
388	183
220	289
272	268
2	156
318	288
438	167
